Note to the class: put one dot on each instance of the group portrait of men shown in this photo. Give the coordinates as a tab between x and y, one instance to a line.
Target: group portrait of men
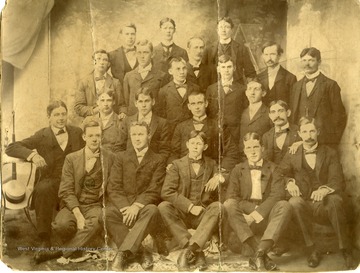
174	139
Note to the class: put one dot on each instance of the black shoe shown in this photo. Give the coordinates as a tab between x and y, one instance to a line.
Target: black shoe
314	259
120	262
161	246
270	265
200	261
279	250
146	260
257	263
349	259
45	252
185	258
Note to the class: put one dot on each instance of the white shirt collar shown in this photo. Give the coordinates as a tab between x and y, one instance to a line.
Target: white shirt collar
197	158
167	43
176	82
226	41
142	152
287	125
105	75
89	153
255	105
147	117
195	64
274	70
56	130
146	68
200	118
259	163
313	75
229	82
312	148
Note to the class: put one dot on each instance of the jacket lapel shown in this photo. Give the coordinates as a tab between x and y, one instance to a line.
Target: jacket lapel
296	95
319	87
92	86
279	75
153	125
259	113
320	157
265	176
247	180
79	165
184	166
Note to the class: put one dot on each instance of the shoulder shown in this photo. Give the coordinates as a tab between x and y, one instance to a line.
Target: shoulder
75	129
75	155
286	72
269	164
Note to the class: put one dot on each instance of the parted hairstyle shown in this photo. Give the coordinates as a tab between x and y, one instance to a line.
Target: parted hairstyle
227	20
101	51
131	25
253	135
176	60
255	79
225	58
145	91
167	19
145	42
195	38
306	120
196	133
110	93
312	51
140	123
55	104
90	121
281	103
271	43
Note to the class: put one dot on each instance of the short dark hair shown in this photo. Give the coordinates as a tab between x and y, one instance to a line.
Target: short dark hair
312	51
176	60
55	104
131	25
110	93
145	42
196	133
102	51
307	120
145	91
90	121
255	79
225	58
195	93
252	135
167	19
281	103
227	20
140	123
195	38
272	43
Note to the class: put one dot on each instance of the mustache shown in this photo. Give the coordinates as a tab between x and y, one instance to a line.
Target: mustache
310	140
278	118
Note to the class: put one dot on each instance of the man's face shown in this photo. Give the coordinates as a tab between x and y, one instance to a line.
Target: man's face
101	62
196	146
254	92
309	64
105	104
253	150
167	30
279	115
139	137
179	71
196	50
92	137
144	104
58	117
308	134
197	105
271	56
224	30
143	55
129	36
226	70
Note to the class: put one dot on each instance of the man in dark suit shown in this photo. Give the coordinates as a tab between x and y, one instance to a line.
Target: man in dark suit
145	75
276	80
123	59
47	149
96	83
167	49
220	145
133	192
159	138
173	97
227	46
190	194
227	97
255	118
314	181
199	73
279	139
316	96
254	201
84	176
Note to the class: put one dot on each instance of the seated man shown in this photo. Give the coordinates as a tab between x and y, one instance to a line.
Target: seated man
133	192
254	202
81	191
47	149
314	182
190	194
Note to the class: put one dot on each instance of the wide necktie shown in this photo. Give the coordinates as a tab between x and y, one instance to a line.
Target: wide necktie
310	152
60	132
184	85
254	167
281	132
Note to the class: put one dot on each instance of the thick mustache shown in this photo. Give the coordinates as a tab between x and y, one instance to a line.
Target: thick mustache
310	140
278	118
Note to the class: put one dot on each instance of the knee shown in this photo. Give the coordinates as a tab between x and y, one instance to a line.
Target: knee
283	207
44	188
230	204
165	207
216	208
110	213
333	201
296	202
151	209
65	228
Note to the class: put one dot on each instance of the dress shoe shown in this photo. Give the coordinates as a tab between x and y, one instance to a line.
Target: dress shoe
120	262
270	265
349	259
45	252
185	258
279	250
257	263
161	245
146	260
200	261
314	259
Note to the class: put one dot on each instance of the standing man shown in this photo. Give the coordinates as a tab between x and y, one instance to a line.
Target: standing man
144	76
198	72
123	59
47	149
314	181
276	80
227	98
254	199
316	96
227	46
96	83
133	192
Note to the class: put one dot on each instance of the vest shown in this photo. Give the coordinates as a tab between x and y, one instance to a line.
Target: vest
278	154
55	170
307	103
196	185
314	182
91	185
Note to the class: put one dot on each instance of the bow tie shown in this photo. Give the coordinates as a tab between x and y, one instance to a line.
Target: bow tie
306	79
183	85
254	167
60	132
199	121
126	50
196	68
141	154
196	161
281	132
99	78
310	152
94	155
144	70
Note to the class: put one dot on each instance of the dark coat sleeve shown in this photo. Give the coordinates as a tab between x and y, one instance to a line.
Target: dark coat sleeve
81	106
22	149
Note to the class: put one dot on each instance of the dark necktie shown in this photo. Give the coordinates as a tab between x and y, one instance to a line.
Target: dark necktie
126	50
254	167
196	161
183	85
306	79
196	68
281	132
60	132
310	152
199	121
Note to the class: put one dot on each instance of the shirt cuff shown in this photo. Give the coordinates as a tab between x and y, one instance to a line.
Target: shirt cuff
257	216
30	157
139	205
190	207
330	190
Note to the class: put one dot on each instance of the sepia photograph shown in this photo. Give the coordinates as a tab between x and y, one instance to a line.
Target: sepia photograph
180	135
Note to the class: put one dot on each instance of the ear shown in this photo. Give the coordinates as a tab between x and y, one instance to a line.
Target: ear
205	147
188	105
83	136
263	94
170	71
187	145
153	102
288	113
206	103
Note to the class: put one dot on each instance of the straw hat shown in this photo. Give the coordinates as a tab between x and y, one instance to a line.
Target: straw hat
16	194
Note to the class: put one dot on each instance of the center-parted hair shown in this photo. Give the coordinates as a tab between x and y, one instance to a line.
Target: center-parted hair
255	79
227	20
176	60
196	133
140	123
311	51
131	25
252	135
167	19
90	121
307	120
272	43
281	103
225	58
145	91
55	104
195	38
145	42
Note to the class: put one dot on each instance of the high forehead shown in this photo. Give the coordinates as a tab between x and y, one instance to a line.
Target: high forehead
252	142
167	25
276	106
104	96
228	63
101	55
223	23
127	30
197	97
307	127
58	110
145	47
144	97
93	130
254	85
138	129
196	42
308	57
179	64
196	139
270	49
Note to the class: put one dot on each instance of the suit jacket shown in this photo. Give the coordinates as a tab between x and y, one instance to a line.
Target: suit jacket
225	150
240	187
118	67
74	171
329	110
284	81
328	170
177	185
161	62
231	104
207	76
154	80
131	182
86	96
239	53
159	135
269	142
260	123
44	142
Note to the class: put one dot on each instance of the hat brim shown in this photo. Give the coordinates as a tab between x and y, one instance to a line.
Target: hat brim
10	205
